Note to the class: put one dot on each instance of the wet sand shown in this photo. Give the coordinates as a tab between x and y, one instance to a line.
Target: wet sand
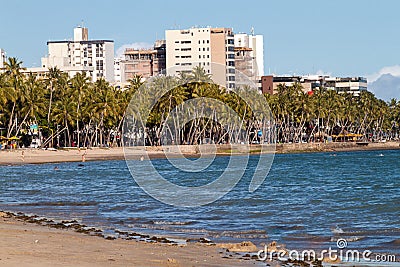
28	244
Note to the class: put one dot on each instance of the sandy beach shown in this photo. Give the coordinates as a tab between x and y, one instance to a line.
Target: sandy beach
28	244
35	156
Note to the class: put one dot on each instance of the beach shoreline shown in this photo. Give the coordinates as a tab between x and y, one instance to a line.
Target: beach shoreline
38	156
30	240
34	241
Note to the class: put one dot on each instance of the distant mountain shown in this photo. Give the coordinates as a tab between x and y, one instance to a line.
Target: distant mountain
386	87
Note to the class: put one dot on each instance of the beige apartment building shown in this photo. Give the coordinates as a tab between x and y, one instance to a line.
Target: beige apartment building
210	48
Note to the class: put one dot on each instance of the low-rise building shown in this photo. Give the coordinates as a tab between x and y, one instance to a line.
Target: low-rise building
144	62
353	85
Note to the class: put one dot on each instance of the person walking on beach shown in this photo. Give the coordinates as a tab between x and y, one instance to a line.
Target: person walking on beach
83	156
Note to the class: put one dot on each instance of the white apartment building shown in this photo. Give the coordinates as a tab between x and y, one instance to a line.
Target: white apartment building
2	58
93	57
352	85
118	75
210	48
254	44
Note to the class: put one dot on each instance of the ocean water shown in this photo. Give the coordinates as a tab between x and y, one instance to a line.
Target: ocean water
307	201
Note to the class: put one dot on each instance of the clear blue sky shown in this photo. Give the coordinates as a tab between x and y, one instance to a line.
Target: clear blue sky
337	37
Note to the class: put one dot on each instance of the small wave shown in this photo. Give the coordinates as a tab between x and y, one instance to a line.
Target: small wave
288	227
61	204
395	242
337	230
307	238
348	238
171	223
369	232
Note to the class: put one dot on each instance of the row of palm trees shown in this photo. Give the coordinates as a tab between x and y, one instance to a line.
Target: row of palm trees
69	111
77	112
312	117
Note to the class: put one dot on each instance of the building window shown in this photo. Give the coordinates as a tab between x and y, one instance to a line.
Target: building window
231	63
186	49
177	42
208	56
231	56
186	42
186	56
199	56
99	64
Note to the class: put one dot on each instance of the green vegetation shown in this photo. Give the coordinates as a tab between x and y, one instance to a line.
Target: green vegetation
76	111
304	117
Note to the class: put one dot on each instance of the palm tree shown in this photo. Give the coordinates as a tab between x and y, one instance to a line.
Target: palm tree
198	74
52	79
64	114
32	100
13	70
79	85
104	106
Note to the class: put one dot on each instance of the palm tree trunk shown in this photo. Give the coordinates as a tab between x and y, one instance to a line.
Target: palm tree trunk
10	123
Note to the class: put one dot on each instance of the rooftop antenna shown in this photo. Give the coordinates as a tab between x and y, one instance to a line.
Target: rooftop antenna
82	24
252	31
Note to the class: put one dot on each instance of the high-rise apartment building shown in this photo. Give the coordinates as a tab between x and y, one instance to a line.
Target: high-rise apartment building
249	56
210	48
93	57
2	58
